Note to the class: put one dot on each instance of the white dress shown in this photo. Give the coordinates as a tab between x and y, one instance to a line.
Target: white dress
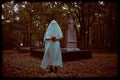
52	54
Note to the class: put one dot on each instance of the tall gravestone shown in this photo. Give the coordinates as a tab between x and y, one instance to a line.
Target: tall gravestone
71	36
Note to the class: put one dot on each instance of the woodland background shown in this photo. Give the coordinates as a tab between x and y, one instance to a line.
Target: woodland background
25	22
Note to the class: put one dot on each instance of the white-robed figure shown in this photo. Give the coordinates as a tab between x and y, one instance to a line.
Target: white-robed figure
52	55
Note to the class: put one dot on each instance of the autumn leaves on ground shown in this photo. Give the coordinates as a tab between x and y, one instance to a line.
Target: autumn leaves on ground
23	65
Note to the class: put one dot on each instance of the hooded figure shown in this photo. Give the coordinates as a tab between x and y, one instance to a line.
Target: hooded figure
52	56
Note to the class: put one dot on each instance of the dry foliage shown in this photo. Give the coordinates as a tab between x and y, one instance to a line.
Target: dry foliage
22	65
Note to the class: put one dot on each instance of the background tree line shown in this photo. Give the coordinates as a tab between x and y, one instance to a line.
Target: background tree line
26	22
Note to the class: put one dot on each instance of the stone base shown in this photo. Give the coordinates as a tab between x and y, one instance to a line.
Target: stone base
66	55
70	49
71	45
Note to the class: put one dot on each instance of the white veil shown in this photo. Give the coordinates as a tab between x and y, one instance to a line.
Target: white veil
53	30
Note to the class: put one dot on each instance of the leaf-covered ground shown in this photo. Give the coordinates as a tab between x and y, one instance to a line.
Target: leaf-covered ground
22	65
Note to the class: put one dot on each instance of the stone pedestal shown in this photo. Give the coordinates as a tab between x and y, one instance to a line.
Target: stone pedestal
72	40
71	37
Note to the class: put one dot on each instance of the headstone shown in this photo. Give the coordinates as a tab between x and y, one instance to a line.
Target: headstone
71	37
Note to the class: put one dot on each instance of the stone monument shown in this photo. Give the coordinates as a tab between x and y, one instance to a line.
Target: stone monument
71	37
